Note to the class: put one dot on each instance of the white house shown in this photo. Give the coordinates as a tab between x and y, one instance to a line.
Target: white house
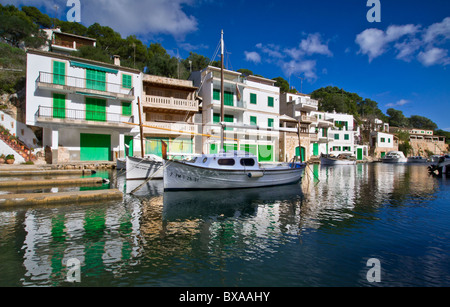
248	100
382	143
82	106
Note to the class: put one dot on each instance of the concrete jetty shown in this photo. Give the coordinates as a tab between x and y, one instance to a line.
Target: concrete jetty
69	198
51	182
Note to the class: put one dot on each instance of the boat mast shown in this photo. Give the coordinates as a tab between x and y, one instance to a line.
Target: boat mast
141	128
222	113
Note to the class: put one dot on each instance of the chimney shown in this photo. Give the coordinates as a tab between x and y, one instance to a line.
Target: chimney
116	60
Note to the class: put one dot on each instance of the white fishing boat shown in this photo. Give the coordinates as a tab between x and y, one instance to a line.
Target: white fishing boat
231	170
341	159
149	167
394	157
417	159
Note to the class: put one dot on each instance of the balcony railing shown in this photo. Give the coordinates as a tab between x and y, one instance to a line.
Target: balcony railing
63	115
85	86
170	103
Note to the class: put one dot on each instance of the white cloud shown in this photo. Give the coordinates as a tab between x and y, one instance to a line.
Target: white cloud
409	42
434	56
312	45
129	17
438	30
399	103
252	57
374	42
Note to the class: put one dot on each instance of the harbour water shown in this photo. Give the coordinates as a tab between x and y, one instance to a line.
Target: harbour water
321	232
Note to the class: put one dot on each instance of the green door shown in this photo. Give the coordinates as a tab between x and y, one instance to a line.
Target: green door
315	149
265	153
129	141
359	154
95	147
59	106
95	109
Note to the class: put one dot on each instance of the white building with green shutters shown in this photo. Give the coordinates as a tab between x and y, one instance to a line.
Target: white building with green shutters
82	106
248	101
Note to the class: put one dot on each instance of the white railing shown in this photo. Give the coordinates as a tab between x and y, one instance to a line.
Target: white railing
170	103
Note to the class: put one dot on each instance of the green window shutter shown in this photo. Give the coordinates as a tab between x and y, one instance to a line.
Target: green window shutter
95	109
336	136
95	80
253	99
253	121
270	123
346	137
216	118
126	108
59	73
216	94
126	81
270	101
325	133
229	98
59	106
229	119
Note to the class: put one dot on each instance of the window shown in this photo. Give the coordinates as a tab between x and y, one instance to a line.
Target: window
126	108
346	137
59	73
227	162
270	123
336	136
95	109
253	121
253	99
389	140
95	80
270	102
126	81
383	140
59	106
247	162
216	94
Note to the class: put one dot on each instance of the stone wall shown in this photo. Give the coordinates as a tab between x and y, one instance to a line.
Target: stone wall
420	148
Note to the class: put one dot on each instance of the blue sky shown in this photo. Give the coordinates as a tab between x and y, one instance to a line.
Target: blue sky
401	62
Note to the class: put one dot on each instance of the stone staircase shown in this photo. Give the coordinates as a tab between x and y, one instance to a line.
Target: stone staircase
17	145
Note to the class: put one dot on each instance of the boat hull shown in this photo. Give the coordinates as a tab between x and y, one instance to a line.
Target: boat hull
399	160
140	169
183	176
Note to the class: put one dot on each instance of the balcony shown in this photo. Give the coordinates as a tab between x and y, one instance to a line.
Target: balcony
75	85
83	118
306	104
170	103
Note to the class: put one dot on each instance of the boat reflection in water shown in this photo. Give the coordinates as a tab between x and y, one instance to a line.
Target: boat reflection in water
184	205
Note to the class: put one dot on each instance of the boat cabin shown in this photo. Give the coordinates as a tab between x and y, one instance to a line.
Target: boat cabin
236	160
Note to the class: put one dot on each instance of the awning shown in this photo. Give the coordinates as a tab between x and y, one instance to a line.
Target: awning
93	67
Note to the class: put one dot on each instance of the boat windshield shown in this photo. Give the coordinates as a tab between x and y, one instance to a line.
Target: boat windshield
229	162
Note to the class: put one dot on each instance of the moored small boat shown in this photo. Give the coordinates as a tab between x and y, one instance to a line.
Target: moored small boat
417	159
339	160
232	170
149	167
394	157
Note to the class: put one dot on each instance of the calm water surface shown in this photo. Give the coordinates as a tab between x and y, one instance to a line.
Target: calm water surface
318	233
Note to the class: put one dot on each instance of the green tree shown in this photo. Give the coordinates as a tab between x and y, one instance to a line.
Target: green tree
283	85
160	63
42	20
195	62
335	99
93	53
420	122
396	118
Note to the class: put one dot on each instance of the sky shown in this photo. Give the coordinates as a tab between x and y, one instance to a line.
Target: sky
400	60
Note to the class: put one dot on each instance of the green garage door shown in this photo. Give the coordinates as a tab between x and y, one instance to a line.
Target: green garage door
95	147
